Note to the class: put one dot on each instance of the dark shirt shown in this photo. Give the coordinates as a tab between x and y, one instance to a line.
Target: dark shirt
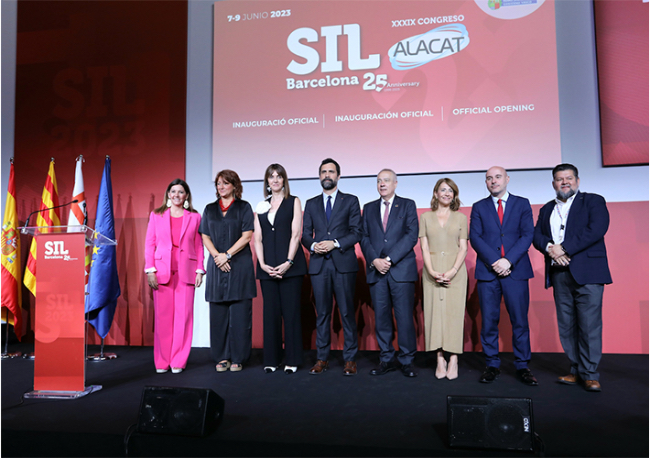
224	231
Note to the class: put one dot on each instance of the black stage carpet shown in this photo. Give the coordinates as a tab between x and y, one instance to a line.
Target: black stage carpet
325	415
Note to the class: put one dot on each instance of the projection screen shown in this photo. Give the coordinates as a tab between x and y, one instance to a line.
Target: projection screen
417	86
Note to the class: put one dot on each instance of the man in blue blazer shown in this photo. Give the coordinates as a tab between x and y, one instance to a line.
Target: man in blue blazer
331	229
570	232
390	231
501	231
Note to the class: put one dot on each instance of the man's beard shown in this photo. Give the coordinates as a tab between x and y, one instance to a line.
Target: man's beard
563	196
328	183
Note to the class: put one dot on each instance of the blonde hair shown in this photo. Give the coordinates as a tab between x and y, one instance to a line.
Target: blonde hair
455	203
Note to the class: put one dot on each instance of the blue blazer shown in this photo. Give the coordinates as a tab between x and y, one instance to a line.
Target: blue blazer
397	242
584	238
487	236
344	226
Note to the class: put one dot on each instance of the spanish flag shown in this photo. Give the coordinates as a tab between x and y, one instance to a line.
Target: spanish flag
49	199
11	289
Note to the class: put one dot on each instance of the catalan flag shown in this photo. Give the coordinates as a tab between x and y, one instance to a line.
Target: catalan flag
11	288
49	199
103	284
78	213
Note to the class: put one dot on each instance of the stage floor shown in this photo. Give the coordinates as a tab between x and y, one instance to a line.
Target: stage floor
325	415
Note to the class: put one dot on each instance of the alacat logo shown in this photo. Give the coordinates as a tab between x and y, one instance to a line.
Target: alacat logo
435	44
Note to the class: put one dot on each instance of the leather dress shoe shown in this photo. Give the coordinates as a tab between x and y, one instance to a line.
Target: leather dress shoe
527	377
408	371
319	367
489	375
350	368
571	379
592	385
384	368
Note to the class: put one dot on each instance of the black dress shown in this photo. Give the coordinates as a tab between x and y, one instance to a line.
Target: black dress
230	293
281	297
224	231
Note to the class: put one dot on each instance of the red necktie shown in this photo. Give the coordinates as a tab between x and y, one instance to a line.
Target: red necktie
385	222
500	212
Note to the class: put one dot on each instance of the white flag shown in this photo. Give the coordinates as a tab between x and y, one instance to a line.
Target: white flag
78	212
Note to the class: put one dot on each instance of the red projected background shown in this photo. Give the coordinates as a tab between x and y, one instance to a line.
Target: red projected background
95	79
622	51
419	86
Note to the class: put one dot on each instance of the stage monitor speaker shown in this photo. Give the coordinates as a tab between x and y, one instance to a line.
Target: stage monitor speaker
179	411
498	423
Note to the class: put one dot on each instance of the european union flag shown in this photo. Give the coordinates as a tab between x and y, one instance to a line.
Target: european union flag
103	284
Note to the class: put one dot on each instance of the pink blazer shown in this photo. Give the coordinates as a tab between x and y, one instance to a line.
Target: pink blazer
158	247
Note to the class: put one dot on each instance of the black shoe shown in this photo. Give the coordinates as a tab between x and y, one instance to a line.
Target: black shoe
384	368
527	377
408	371
489	375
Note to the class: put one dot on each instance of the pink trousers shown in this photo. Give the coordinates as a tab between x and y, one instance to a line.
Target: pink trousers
173	323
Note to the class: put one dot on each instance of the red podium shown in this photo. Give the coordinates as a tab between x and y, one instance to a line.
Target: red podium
60	325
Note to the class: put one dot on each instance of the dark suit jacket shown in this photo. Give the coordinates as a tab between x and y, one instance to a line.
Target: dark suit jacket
344	226
397	242
584	238
487	235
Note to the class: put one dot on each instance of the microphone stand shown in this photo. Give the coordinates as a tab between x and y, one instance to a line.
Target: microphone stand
24	229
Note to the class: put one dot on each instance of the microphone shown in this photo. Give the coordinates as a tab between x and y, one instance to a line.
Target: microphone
24	231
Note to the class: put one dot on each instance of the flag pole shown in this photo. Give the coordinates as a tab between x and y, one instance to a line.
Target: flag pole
11	297
101	356
5	353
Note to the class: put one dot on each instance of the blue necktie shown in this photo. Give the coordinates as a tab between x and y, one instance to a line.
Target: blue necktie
328	208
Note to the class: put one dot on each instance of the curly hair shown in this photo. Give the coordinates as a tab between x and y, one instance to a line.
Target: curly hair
230	176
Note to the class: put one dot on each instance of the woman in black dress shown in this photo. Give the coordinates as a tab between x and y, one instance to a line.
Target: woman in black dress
227	228
280	269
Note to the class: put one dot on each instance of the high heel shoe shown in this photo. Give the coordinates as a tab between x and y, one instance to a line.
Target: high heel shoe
441	369
452	371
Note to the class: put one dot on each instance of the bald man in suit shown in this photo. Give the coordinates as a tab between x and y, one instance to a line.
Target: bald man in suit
501	231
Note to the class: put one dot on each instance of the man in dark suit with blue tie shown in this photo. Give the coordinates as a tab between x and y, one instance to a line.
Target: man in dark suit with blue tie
390	231
570	233
331	229
501	231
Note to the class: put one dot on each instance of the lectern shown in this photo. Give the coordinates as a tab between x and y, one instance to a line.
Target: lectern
59	330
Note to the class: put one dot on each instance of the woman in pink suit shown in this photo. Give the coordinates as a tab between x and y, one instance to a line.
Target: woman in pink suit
174	267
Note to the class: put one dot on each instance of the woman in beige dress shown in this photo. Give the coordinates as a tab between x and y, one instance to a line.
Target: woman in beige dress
443	239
